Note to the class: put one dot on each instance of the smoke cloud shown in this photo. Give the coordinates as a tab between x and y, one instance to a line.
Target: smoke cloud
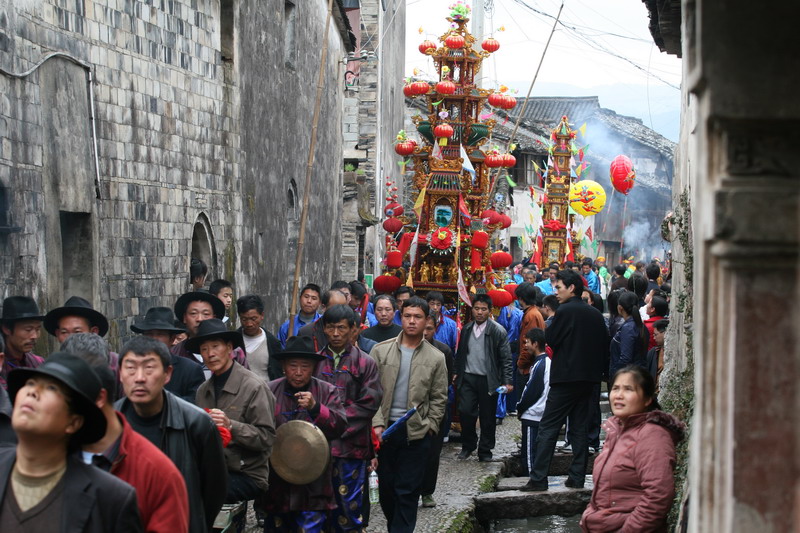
643	241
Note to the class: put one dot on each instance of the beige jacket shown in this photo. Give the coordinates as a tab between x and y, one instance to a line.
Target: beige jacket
427	385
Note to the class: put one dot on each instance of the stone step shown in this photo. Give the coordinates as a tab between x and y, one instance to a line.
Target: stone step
510	502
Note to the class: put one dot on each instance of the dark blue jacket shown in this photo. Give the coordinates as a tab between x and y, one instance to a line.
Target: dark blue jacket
626	347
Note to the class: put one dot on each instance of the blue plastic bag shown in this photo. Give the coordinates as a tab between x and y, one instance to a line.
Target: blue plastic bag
501	405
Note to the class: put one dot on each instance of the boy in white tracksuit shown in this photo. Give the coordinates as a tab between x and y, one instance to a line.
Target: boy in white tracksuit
534	396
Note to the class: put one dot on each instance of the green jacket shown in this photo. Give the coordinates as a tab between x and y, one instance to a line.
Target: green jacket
427	385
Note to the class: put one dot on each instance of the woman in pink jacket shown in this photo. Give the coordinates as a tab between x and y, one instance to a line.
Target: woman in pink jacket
633	480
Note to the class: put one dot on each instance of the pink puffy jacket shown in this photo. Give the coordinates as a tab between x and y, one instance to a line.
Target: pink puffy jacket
633	480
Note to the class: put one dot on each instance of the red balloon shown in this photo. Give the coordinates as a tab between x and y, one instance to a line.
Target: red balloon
386	284
454	40
480	239
394	259
491	45
443	130
445	87
501	260
622	174
392	225
393	209
500	297
492	215
427	45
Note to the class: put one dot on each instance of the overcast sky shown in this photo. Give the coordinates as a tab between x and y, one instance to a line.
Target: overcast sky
574	65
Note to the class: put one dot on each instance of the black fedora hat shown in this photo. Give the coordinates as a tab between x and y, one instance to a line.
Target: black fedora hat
160	318
302	347
199	296
76	306
213	328
20	308
79	377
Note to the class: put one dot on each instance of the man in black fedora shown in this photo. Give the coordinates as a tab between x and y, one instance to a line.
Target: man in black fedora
41	482
76	316
159	324
240	402
301	396
192	308
21	325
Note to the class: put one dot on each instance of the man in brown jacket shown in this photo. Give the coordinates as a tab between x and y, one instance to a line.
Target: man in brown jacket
530	297
240	402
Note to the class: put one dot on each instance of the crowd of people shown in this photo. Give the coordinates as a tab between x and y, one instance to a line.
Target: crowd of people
185	417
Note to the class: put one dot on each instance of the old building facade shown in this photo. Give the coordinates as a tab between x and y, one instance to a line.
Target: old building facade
734	356
136	135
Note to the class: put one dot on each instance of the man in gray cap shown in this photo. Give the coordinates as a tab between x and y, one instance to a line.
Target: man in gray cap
41	484
21	325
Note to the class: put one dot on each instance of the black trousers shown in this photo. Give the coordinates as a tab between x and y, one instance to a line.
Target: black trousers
475	400
432	468
241	488
564	400
595	417
401	469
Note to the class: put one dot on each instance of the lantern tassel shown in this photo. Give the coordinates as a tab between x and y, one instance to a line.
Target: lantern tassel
443	141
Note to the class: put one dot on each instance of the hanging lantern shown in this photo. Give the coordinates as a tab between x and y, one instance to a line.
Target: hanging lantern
409	91
509	102
490	45
421	87
475	260
393	209
406	147
496	99
492	215
587	197
446	87
454	41
622	174
511	288
501	260
501	298
427	45
392	225
493	161
394	259
505	221
480	239
443	132
386	284
509	160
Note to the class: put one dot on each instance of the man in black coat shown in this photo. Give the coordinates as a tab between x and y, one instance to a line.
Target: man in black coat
483	363
54	414
579	340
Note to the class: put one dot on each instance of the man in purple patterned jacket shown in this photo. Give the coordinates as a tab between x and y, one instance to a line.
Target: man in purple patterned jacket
355	375
301	396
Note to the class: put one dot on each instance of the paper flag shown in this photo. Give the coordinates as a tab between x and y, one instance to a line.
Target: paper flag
511	183
419	202
582	129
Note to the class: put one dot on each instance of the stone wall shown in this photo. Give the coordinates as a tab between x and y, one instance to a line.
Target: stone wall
196	152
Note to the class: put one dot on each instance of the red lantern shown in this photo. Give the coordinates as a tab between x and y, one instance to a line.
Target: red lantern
392	225
393	209
509	160
511	288
622	174
475	260
421	87
427	45
496	99
386	284
492	215
493	160
443	130
491	45
480	239
501	298
454	41
409	90
505	221
501	260
405	148
394	259
509	102
445	87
